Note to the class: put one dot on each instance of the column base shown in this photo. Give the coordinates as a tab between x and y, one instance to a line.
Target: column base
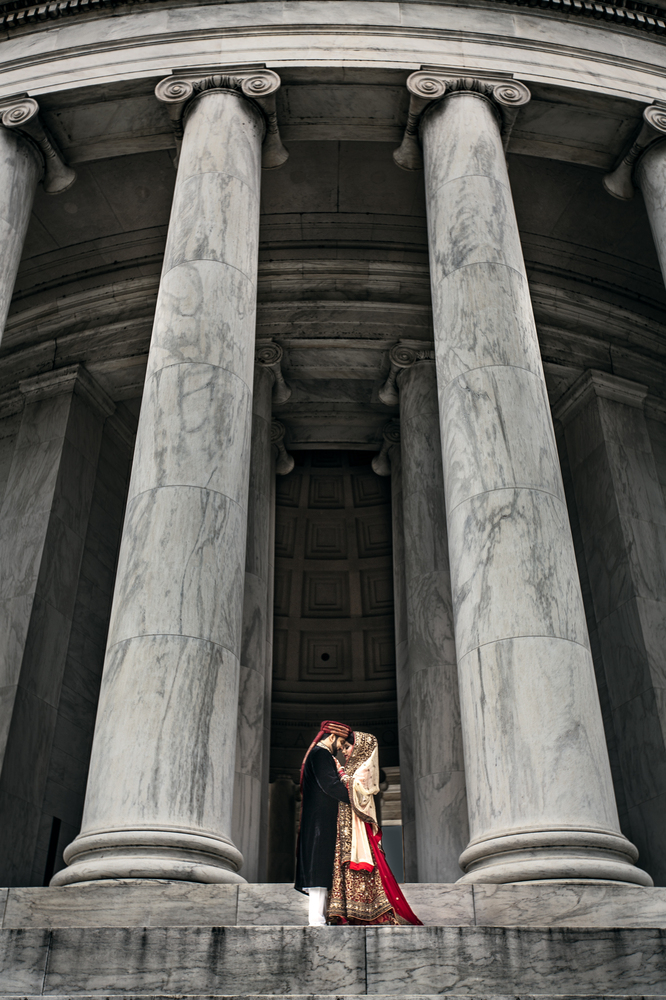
150	854
553	856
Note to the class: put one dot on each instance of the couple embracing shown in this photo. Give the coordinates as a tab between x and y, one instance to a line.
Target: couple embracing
340	863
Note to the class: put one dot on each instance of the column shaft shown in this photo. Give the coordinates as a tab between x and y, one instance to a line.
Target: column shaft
540	796
20	170
439	776
402	677
160	788
251	769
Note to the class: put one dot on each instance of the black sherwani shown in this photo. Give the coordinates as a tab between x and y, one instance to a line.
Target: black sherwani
322	790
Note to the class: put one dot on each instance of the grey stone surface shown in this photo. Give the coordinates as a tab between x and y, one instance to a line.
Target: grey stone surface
271	904
527	685
473	960
43	526
172	904
123	905
20	170
206	960
254	695
175	632
622	514
440	808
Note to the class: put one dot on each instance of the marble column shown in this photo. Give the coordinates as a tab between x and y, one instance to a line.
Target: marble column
622	517
645	165
250	815
540	796
650	175
27	154
43	528
442	829
389	463
160	787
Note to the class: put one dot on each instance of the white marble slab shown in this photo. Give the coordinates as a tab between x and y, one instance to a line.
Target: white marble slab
23	955
218	960
161	904
569	906
441	905
278	903
484	960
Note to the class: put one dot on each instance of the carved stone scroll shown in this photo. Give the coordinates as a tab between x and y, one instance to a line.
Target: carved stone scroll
401	356
270	356
284	462
381	463
258	85
619	182
429	85
22	114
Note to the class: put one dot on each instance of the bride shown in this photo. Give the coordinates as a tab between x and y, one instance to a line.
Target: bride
364	889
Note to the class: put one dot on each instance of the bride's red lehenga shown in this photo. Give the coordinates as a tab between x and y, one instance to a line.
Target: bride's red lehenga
364	888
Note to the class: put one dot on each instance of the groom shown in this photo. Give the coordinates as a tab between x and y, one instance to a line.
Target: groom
321	791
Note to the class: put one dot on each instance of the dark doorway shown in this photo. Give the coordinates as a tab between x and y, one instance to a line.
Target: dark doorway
334	648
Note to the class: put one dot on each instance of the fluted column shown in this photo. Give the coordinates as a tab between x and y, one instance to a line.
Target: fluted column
540	797
250	811
160	787
26	155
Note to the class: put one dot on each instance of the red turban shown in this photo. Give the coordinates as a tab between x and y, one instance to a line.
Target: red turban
326	729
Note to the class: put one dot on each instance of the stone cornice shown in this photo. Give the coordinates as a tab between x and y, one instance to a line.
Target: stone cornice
432	84
256	83
73	378
597	383
639	16
21	114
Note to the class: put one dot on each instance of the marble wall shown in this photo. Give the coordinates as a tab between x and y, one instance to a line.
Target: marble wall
622	516
45	533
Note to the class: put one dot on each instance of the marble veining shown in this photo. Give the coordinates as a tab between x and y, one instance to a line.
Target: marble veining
169	702
436	738
534	747
20	170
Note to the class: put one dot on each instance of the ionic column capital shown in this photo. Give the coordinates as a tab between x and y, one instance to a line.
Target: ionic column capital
402	355
620	182
258	84
21	114
381	463
269	355
284	462
431	85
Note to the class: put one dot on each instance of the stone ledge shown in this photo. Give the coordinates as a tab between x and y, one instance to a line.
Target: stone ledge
186	904
344	961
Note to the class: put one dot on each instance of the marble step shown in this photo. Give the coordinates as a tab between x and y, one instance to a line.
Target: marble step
342	961
174	904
